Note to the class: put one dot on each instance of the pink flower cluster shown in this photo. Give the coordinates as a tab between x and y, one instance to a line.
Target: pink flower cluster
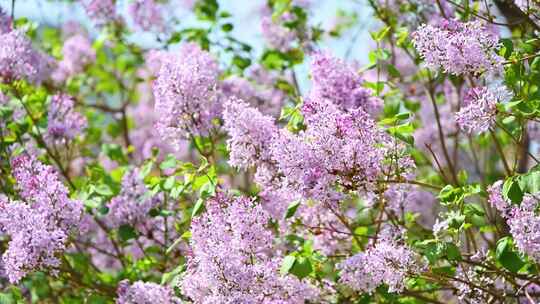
64	122
147	15
40	225
144	293
100	11
19	60
523	219
234	259
133	203
185	93
387	262
458	48
77	54
340	83
479	110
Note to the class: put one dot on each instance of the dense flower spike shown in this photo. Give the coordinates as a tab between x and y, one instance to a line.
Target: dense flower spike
250	132
385	263
259	93
458	48
40	226
334	80
5	22
185	93
133	203
234	259
276	34
338	148
19	60
35	241
479	110
147	15
64	122
100	11
78	54
213	161
144	293
523	220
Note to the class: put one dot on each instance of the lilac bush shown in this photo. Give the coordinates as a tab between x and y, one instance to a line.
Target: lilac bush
150	154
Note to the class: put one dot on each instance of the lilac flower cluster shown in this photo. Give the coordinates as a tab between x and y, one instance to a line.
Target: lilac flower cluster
147	15
387	262
77	54
523	219
19	60
64	122
275	33
234	260
39	226
473	285
479	110
100	11
458	48
340	83
338	148
5	22
250	132
341	150
144	293
258	91
185	93
133	203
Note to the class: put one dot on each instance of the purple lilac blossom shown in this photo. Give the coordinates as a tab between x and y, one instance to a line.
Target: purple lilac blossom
523	220
425	10
144	137
479	111
100	12
336	148
144	293
147	15
387	262
234	260
5	22
71	28
458	48
185	94
40	225
133	203
334	80
64	123
77	54
266	98
19	60
250	134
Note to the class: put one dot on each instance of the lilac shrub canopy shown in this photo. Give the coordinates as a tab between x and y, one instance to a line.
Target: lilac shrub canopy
151	154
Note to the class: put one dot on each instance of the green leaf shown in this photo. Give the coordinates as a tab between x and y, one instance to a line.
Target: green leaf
104	189
227	27
169	182
126	232
287	264
146	169
378	36
507	256
168	277
198	208
302	267
530	182
241	62
168	162
452	252
291	209
512	191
